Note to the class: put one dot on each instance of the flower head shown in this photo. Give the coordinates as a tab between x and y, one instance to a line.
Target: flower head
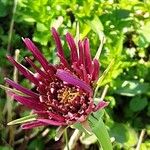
64	92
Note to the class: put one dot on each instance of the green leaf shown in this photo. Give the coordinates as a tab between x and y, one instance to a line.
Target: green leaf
131	88
145	31
80	127
3	10
86	29
123	134
96	25
5	148
148	110
105	73
41	37
138	103
132	137
99	129
41	27
23	119
36	144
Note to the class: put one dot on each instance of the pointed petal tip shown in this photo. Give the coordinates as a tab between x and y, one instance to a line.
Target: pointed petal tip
27	42
8	57
9	123
54	32
22	38
5	78
25	39
101	105
53	29
86	39
68	34
26	58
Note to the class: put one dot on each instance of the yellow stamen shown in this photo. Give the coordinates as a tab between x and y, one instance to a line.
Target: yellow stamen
67	95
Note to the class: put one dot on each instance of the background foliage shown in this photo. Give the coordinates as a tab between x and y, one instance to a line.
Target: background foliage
126	26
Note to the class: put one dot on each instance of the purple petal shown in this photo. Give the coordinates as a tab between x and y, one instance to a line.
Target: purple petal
76	67
58	42
33	124
56	117
28	102
81	71
21	88
52	122
81	53
90	107
60	51
72	45
43	74
52	70
73	80
85	75
24	71
88	59
96	69
29	44
101	105
63	60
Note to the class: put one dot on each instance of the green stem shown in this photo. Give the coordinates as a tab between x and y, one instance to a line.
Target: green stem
99	129
102	41
11	26
66	138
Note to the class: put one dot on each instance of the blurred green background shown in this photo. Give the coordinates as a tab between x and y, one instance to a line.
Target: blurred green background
126	27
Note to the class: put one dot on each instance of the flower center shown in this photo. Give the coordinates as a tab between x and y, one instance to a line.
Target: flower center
67	94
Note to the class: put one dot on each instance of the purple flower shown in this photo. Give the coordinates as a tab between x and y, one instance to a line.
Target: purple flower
64	92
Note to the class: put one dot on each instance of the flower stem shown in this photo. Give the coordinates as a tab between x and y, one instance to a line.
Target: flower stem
73	139
140	139
102	39
99	129
11	26
66	139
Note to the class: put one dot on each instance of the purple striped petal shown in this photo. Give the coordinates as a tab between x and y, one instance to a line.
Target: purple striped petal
52	122
90	107
63	60
81	53
71	79
76	67
52	70
88	59
29	44
72	45
60	51
21	88
28	102
85	75
33	124
43	74
24	71
58	42
95	73
53	115
81	71
101	105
